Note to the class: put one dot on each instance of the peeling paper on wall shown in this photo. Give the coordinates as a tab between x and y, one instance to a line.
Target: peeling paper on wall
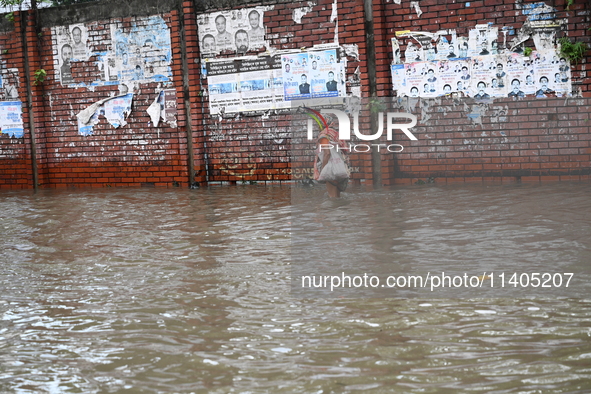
351	50
118	109
115	112
334	15
415	5
155	111
298	13
476	113
538	11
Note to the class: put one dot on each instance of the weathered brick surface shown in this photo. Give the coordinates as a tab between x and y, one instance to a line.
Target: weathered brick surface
528	139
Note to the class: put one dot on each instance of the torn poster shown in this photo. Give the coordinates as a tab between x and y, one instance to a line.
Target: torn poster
482	41
163	108
118	109
142	53
9	84
538	11
236	30
115	109
11	120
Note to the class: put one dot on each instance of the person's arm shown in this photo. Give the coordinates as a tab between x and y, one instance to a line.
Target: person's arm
326	157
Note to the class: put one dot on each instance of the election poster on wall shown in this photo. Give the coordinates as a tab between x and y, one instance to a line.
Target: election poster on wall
478	66
236	31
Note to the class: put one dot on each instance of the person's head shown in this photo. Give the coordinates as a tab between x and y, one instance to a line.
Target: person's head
528	78
515	84
208	44
138	72
431	72
562	61
220	23
287	67
544	81
451	48
481	86
414	91
304	78
314	65
77	34
426	87
557	76
66	53
446	88
500	67
494	83
254	19
465	70
241	40
330	76
460	85
125	57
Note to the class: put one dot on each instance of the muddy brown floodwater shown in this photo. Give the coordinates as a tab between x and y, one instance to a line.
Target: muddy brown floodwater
180	291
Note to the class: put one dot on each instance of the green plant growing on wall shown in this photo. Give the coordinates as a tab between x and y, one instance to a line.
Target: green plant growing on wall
39	76
10	17
527	51
573	51
376	106
569	3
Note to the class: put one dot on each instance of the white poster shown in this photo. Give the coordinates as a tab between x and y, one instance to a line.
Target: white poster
11	120
235	31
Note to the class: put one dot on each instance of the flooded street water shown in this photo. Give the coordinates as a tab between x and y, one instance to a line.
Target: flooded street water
180	291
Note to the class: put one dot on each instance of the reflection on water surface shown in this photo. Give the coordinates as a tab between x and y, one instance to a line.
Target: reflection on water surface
159	291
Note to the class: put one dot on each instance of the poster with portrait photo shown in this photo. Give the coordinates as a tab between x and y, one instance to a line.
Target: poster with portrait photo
235	30
143	54
449	75
296	81
516	75
9	84
461	45
79	43
430	81
463	68
397	59
482	40
414	78
482	75
324	72
561	83
544	74
413	52
63	54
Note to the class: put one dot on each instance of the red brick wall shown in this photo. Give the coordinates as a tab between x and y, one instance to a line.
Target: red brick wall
525	140
15	154
537	142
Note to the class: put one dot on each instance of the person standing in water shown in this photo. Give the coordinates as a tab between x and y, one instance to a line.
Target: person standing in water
330	137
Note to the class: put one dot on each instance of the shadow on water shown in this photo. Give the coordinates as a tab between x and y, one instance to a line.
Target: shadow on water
152	291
